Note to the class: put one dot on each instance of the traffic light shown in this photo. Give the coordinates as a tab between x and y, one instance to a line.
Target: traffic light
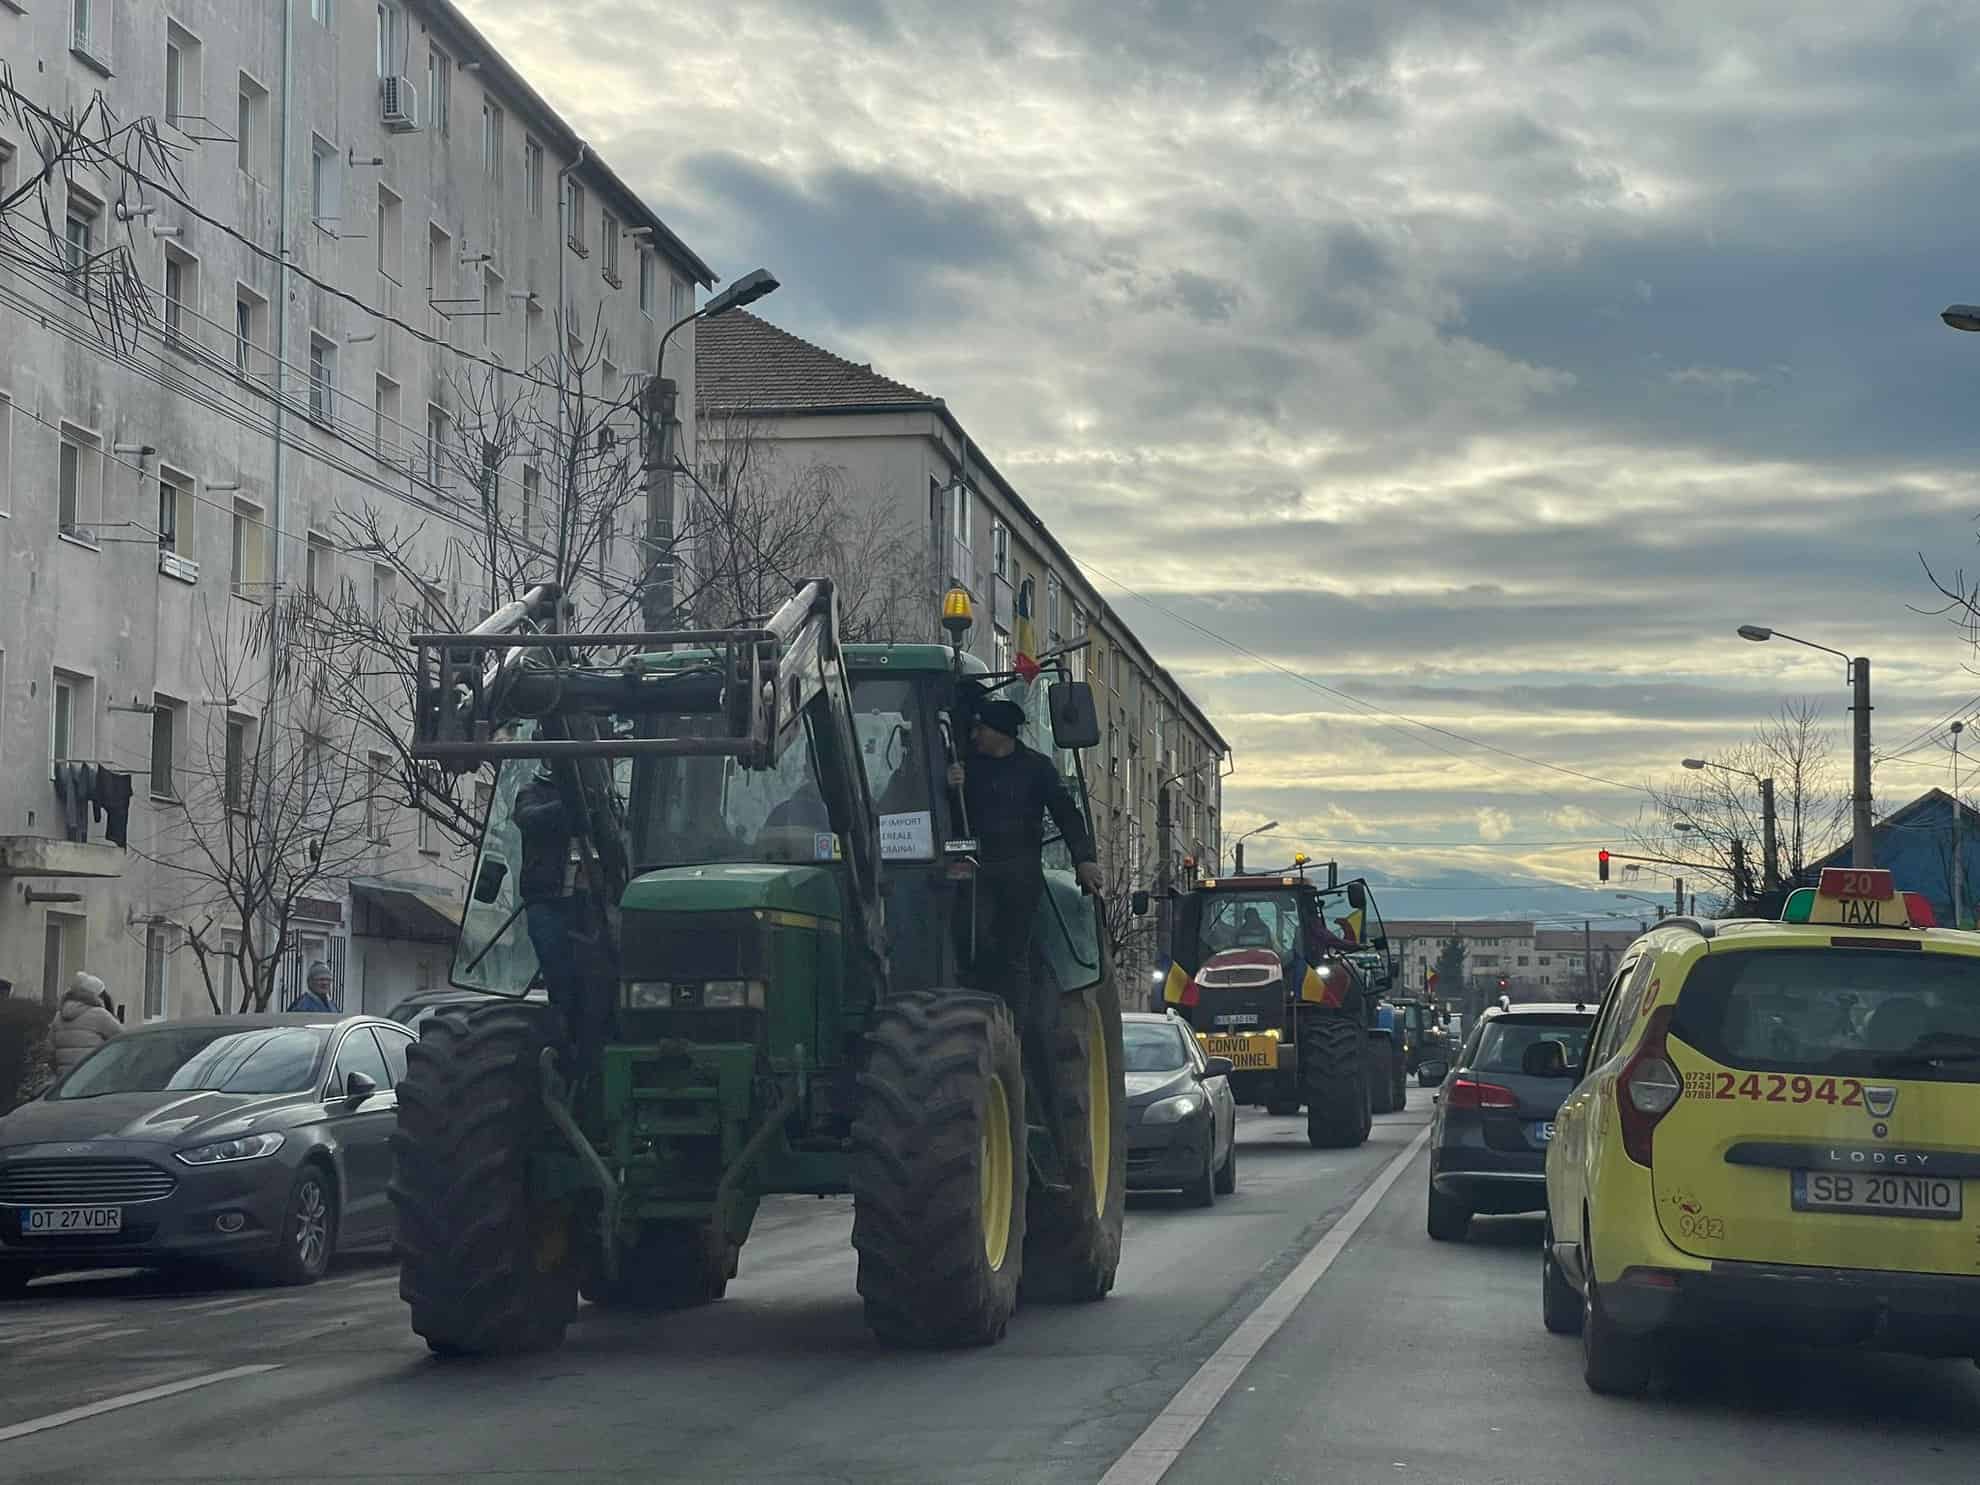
1504	982
1602	865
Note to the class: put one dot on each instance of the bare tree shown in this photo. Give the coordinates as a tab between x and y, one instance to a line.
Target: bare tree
759	523
275	796
1712	816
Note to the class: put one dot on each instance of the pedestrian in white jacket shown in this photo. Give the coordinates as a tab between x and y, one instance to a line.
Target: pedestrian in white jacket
83	1021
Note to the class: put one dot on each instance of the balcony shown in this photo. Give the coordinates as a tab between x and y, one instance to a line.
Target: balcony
41	856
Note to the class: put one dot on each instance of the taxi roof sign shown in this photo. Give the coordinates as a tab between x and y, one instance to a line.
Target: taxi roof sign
1857	897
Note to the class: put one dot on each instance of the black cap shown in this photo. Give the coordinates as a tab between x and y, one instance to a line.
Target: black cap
1006	717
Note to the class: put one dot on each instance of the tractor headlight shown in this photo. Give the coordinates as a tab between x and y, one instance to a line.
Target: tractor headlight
648	995
1173	1110
733	995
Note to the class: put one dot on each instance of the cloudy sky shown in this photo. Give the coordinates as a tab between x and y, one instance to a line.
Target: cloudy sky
1488	361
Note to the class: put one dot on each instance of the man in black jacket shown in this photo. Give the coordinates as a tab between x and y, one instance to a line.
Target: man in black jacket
549	908
1008	790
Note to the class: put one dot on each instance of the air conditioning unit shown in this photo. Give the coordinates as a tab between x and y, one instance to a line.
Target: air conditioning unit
398	104
174	566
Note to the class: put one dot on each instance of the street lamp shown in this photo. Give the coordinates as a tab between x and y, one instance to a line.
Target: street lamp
1857	671
1639	897
1770	875
1237	848
1958	866
1961	316
656	602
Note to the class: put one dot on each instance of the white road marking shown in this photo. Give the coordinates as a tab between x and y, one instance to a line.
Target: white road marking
24	1335
1149	1457
128	1400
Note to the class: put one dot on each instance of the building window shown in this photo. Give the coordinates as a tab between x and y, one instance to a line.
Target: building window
184	97
234	764
436	447
78	241
533	178
175	511
89	29
322	181
439	274
251	127
72	719
319	573
250	331
1052	610
248	556
319	11
1002	661
1000	549
384	583
167	718
608	239
574	217
384	416
531	493
439	85
378	802
391	233
491	307
61	953
181	299
79	487
491	143
646	275
390	39
154	972
322	380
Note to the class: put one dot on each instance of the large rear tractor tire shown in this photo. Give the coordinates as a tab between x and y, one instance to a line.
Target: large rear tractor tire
1333	1065
487	1268
939	1170
1072	1239
1380	1085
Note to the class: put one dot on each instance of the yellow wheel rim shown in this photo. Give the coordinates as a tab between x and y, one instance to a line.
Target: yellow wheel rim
994	1171
1099	1104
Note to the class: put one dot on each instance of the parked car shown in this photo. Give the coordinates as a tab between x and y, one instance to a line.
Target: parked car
255	1141
1494	1118
1181	1114
416	1009
1774	1137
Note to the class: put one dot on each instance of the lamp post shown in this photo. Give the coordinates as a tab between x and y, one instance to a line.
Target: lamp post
656	599
1237	847
1770	872
1858	672
1958	866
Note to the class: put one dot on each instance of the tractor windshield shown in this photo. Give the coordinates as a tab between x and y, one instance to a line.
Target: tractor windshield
1263	920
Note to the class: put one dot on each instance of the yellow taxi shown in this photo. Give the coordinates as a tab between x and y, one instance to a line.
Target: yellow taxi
1775	1132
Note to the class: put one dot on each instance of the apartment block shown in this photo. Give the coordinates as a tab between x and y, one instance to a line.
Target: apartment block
359	234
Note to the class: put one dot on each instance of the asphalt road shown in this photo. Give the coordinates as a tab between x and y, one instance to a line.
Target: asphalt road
779	1381
1406	1358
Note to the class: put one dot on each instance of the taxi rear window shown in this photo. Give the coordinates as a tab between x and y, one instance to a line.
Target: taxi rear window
1836	1011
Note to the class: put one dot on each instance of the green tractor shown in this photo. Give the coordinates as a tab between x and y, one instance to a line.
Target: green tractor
760	943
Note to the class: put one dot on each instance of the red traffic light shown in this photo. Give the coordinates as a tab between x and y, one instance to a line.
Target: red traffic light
1602	865
1503	982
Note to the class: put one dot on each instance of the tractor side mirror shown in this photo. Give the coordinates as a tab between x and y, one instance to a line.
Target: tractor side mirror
1138	904
1075	719
488	881
1357	896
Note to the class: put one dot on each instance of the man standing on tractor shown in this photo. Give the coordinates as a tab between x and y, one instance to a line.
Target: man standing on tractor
1008	789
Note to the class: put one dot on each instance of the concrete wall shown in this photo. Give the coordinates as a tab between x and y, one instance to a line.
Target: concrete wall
101	608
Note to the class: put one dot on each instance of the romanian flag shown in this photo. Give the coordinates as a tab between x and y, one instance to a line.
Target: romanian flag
1350	926
1025	641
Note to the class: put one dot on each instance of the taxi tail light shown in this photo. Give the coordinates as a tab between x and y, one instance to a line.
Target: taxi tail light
1469	1093
1647	1088
1918	908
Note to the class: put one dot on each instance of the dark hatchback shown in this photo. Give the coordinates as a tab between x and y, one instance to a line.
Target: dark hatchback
1495	1115
1181	1114
260	1142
